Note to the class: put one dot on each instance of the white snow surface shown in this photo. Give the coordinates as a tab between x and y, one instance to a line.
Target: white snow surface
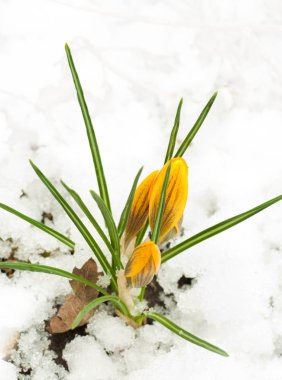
136	59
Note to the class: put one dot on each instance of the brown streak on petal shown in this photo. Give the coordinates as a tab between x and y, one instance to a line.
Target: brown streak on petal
176	196
140	208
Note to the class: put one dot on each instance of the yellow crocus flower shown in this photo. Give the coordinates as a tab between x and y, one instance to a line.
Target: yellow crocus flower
175	200
139	209
143	264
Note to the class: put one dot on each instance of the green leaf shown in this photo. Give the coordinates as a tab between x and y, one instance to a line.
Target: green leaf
111	227
160	212
183	333
50	270
216	229
79	224
196	127
90	132
173	135
91	305
39	225
141	234
88	214
142	293
125	213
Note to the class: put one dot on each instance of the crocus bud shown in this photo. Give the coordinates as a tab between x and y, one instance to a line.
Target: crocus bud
175	200
139	209
143	264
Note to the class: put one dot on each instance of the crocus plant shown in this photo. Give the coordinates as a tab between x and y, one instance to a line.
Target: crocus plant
157	204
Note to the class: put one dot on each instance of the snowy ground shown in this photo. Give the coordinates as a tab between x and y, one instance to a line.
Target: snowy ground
136	59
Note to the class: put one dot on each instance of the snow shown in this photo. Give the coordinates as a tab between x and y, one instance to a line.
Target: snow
135	61
93	361
33	353
103	327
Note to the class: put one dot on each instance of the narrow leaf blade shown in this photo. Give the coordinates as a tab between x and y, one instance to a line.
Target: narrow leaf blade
173	135
184	334
78	223
88	214
111	227
125	213
188	139
102	184
141	234
39	225
216	229
50	270
160	212
91	305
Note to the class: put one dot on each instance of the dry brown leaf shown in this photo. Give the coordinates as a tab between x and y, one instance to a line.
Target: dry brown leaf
88	271
66	314
74	303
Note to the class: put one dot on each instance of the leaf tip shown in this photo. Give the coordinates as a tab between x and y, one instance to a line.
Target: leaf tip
32	163
73	326
224	353
64	184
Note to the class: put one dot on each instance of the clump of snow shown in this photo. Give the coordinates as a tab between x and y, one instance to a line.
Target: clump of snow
111	332
152	341
104	280
139	307
86	357
33	353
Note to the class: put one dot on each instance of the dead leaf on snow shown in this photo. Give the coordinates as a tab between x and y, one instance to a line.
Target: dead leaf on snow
61	322
74	303
88	271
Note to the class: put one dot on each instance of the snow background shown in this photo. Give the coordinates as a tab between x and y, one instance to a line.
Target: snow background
135	60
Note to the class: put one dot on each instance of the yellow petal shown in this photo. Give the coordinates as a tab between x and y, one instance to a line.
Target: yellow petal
174	231
139	209
176	196
143	264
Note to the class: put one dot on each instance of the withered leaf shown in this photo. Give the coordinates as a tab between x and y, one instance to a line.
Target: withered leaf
74	303
88	271
61	322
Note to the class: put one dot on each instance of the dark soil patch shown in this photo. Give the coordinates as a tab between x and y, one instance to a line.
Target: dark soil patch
185	281
9	272
153	294
25	372
59	341
23	194
46	216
